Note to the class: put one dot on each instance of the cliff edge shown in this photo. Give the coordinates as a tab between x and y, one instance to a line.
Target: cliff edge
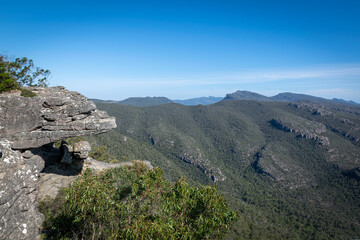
26	124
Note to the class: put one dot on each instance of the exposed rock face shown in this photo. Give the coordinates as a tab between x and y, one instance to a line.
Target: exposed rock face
19	217
190	155
51	183
54	114
82	149
305	129
25	125
276	162
315	108
66	151
196	158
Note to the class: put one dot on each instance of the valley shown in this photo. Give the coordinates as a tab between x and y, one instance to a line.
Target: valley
291	169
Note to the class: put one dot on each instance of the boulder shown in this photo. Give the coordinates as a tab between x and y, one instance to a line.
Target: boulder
82	149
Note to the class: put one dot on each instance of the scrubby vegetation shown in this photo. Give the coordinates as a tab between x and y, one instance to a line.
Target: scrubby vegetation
283	186
135	202
101	153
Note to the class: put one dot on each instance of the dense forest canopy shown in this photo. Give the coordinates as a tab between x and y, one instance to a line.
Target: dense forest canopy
292	169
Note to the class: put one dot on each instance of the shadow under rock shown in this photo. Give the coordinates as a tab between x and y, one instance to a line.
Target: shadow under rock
52	157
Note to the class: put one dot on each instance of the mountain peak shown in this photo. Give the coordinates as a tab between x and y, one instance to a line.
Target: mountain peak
201	100
246	95
283	97
145	101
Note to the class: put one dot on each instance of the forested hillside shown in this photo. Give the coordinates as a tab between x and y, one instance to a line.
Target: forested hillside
290	169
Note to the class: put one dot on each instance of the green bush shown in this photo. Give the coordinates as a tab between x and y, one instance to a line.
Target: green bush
27	93
102	154
7	83
134	202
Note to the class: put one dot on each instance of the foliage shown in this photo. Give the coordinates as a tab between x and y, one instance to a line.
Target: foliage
311	197
21	72
134	202
7	83
24	72
27	93
101	154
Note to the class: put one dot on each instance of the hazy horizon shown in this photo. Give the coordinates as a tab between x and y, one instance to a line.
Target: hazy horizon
181	49
175	99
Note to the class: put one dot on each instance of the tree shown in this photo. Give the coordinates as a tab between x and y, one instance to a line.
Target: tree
7	83
21	72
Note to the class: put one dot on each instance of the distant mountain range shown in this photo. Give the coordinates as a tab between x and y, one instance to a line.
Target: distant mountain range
282	97
200	100
289	164
138	101
238	95
145	101
155	101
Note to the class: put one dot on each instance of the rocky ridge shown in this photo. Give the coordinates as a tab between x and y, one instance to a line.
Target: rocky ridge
27	124
305	129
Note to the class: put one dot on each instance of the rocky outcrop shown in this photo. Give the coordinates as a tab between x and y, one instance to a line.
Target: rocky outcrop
19	173
326	108
315	108
54	114
190	155
304	129
26	124
82	149
276	163
195	157
66	150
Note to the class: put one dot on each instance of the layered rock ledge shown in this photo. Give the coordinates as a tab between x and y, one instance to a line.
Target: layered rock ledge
26	124
55	114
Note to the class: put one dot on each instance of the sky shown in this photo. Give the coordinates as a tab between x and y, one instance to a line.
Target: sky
113	50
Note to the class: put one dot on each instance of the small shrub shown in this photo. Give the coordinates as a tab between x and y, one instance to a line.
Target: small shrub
102	154
27	93
8	85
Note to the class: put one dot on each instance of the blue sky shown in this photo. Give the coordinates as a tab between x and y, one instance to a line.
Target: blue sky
184	49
